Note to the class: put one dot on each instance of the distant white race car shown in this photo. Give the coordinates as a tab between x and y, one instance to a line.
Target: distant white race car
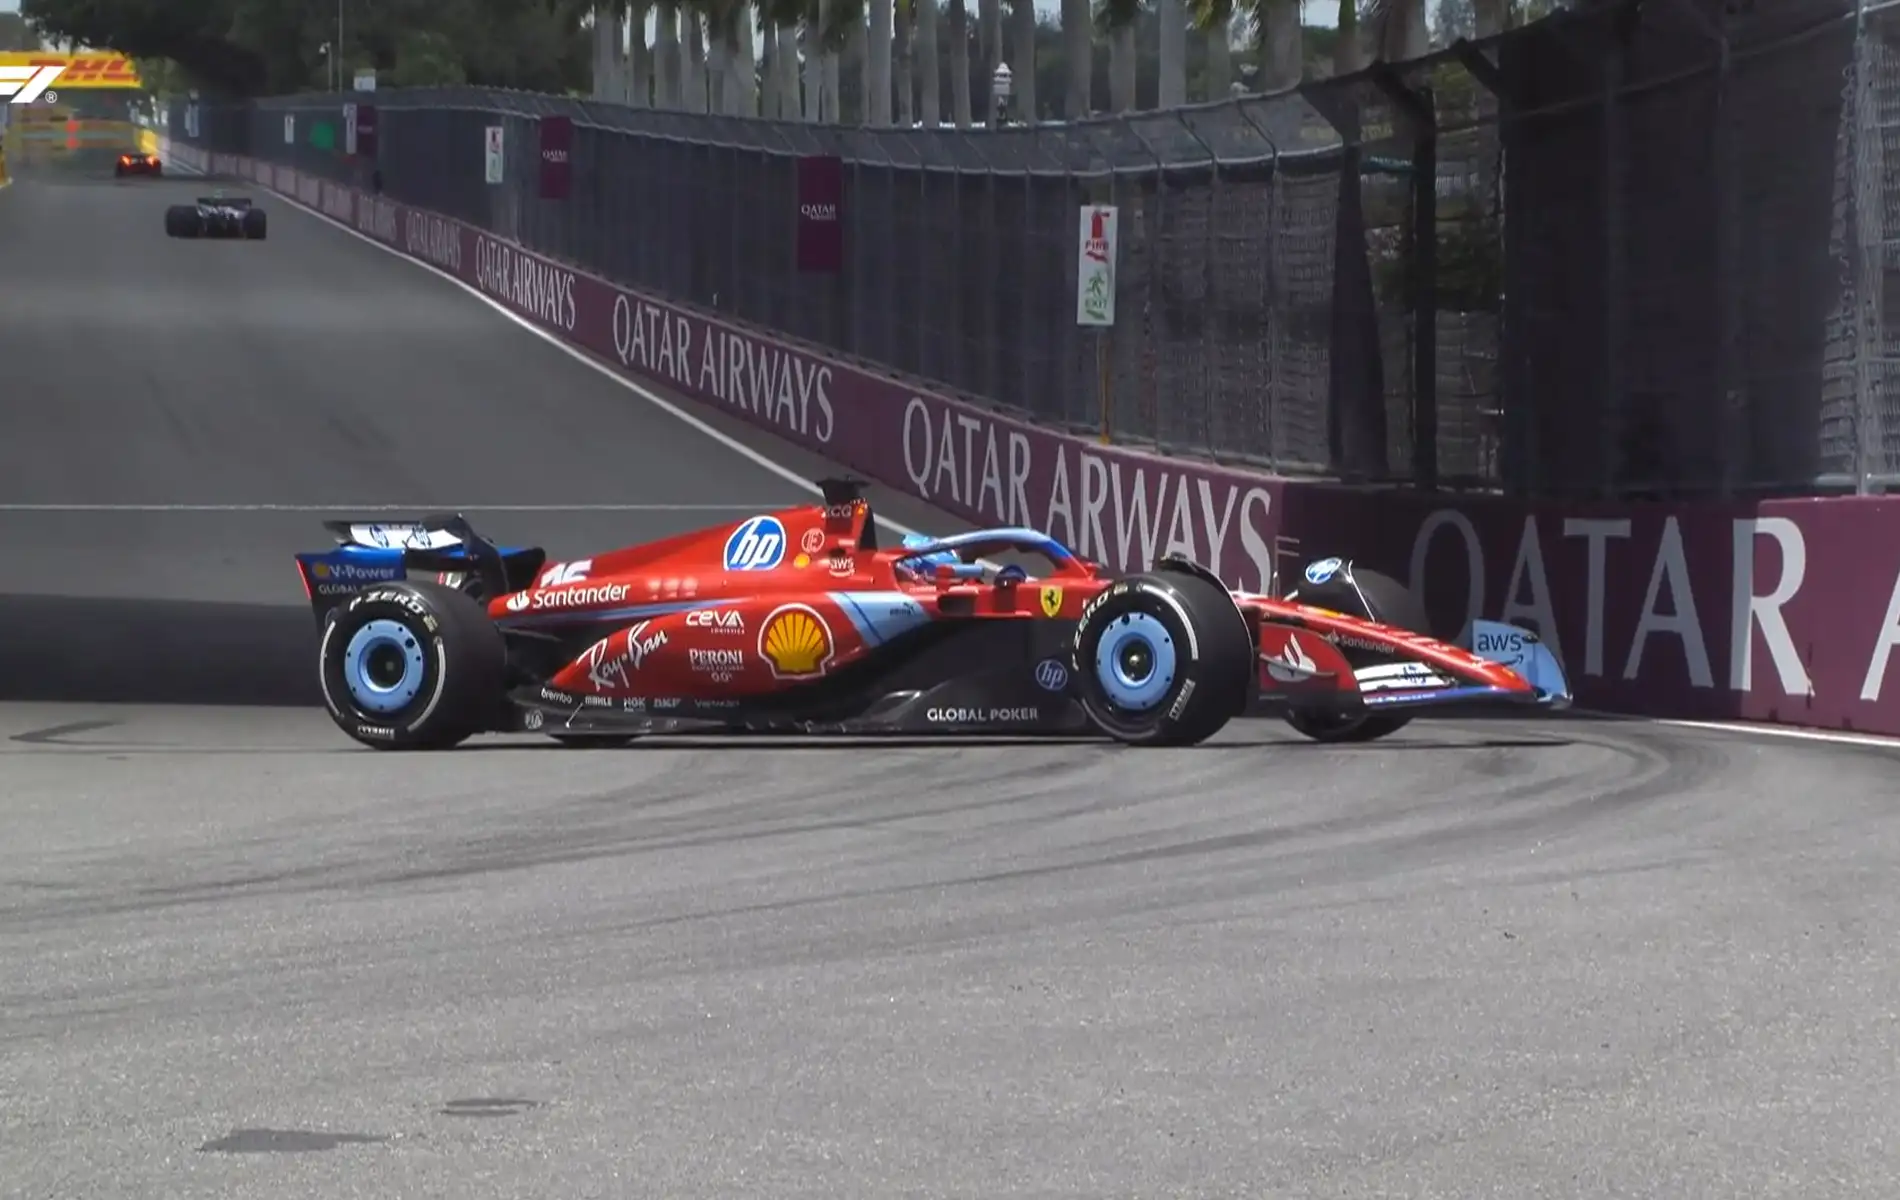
217	216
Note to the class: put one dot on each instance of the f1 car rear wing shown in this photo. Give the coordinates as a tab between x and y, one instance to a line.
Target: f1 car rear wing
431	541
224	201
368	552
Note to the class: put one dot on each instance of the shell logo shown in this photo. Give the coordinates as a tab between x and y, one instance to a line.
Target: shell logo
797	642
320	570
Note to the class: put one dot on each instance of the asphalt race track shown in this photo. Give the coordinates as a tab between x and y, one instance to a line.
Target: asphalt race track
240	957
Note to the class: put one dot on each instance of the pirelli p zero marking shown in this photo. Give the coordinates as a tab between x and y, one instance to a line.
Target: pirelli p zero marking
411	665
1162	659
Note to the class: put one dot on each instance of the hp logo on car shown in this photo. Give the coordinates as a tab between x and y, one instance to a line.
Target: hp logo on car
1051	675
757	545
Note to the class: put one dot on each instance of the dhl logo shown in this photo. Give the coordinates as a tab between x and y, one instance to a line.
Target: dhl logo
79	70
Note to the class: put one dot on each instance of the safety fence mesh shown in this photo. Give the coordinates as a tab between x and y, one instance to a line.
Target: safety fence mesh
1641	250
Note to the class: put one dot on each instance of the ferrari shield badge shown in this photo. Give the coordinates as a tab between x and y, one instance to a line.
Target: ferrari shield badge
1051	601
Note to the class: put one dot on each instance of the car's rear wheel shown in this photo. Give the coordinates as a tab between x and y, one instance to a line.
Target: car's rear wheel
1164	659
182	221
255	225
412	666
1376	597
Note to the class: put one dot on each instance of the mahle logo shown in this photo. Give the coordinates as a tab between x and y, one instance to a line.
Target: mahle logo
28	83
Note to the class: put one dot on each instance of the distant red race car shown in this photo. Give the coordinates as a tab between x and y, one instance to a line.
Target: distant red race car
137	164
799	621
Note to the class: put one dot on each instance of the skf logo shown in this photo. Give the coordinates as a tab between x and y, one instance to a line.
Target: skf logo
27	84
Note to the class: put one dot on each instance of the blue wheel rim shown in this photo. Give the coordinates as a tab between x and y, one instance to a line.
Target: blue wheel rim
367	661
1135	662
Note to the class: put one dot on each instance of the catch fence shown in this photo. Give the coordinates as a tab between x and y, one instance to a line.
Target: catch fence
1639	251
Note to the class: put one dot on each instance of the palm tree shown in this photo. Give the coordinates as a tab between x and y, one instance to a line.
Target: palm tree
780	21
730	65
1214	21
1022	58
1281	46
989	20
960	63
1395	29
877	63
666	54
815	60
930	86
692	60
904	60
1347	53
1171	55
1078	53
1272	32
1118	19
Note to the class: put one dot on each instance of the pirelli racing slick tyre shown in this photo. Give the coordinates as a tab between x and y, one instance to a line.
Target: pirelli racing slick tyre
412	666
254	224
1363	593
1164	659
183	221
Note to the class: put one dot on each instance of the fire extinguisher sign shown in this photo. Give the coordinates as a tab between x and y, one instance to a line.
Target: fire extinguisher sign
1095	267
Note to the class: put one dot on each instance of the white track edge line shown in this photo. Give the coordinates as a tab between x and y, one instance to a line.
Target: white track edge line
790	476
587	360
1800	733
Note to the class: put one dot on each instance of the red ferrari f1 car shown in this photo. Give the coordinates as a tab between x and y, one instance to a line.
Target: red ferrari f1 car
799	621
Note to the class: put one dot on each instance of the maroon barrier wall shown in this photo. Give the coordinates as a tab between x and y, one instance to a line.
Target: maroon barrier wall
1785	611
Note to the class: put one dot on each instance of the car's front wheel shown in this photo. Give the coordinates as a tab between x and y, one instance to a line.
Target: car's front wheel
412	666
1375	597
1164	659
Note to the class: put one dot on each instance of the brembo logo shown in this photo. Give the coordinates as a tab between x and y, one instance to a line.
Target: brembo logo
27	84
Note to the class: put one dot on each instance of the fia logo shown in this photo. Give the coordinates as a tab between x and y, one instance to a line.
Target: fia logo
757	545
1051	675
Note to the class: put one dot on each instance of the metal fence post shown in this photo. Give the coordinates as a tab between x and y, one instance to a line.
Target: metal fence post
1418	110
1725	188
1866	258
1210	322
1270	302
1615	251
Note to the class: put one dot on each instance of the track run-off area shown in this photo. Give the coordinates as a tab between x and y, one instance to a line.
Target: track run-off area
241	956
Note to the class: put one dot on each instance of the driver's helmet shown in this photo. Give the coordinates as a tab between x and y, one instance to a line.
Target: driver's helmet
924	564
